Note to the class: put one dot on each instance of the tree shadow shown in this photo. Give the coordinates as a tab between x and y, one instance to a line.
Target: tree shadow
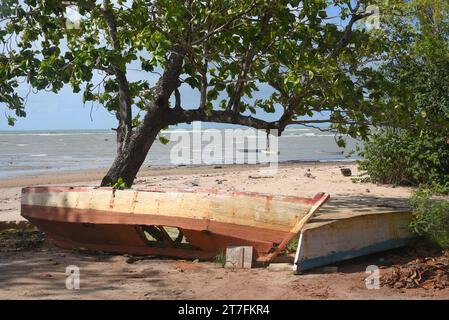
42	274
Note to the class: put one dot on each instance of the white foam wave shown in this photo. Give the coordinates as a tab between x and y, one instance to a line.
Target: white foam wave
39	155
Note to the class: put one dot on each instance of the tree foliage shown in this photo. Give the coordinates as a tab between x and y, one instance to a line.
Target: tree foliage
417	154
417	66
407	157
231	48
430	217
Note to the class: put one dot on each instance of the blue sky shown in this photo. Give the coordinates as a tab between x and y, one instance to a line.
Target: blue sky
65	110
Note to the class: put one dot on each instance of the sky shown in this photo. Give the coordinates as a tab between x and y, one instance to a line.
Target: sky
65	110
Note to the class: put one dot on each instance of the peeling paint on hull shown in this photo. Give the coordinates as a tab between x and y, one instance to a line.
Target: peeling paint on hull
351	237
208	220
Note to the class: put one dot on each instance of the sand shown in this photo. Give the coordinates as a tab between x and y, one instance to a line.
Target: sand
40	273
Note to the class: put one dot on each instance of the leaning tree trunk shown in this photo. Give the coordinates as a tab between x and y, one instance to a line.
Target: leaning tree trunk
129	160
131	156
132	151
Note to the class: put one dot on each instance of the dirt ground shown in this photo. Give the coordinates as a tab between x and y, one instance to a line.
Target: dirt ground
30	268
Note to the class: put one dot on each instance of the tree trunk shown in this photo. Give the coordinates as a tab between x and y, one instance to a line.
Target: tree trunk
132	151
130	158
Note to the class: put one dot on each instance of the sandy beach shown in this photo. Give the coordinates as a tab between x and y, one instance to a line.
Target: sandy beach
39	272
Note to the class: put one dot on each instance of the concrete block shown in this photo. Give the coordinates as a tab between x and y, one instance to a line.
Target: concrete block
239	257
281	267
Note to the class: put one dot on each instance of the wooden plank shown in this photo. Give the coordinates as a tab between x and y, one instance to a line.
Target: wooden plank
152	251
240	257
296	228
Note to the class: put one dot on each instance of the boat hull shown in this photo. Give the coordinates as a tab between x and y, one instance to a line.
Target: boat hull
344	237
95	219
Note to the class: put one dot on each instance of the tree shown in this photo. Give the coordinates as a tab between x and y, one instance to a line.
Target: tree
224	49
417	66
412	147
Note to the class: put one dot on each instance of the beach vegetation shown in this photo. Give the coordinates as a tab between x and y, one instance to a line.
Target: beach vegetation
119	185
293	245
430	217
407	158
220	258
412	148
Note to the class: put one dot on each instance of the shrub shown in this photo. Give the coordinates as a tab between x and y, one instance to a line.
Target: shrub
405	157
430	217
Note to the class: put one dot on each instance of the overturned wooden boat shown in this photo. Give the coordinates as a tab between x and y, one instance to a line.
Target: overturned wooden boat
347	228
186	223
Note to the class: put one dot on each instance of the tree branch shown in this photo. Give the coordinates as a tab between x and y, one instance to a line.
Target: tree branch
247	61
225	25
344	41
179	115
125	111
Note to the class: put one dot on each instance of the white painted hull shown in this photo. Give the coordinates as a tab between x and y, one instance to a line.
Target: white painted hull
352	237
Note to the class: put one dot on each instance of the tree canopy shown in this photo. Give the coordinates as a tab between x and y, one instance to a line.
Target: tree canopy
417	66
229	49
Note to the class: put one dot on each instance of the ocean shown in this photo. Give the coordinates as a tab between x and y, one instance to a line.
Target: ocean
30	152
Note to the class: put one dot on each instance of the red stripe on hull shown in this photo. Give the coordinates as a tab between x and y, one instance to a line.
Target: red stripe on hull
70	215
126	239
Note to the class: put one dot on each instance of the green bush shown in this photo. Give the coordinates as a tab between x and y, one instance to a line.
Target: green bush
405	157
430	217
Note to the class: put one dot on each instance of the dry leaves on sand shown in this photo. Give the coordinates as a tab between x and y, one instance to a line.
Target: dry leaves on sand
427	273
20	240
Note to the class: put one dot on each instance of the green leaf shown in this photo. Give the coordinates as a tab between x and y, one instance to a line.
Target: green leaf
164	140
